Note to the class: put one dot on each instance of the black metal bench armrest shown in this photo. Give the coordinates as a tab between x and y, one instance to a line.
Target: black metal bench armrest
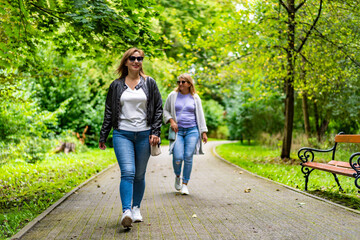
354	162
306	154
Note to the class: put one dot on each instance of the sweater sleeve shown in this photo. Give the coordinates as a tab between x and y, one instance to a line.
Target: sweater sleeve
167	108
202	123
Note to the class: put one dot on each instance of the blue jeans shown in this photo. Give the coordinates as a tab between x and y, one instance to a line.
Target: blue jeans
183	151
132	150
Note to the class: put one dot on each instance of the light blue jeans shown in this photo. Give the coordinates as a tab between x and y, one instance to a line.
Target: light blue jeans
183	151
132	150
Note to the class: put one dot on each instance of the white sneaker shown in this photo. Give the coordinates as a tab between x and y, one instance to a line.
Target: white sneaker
136	214
126	219
177	183
184	190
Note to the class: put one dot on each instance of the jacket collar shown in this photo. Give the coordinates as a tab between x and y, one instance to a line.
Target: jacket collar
137	87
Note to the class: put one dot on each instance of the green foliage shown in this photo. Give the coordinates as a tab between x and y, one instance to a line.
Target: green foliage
214	115
89	27
28	189
64	85
247	116
28	149
23	116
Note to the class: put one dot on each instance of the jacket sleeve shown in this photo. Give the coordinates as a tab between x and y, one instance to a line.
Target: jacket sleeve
106	126
158	111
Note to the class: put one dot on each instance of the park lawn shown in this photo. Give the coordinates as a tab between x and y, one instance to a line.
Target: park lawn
27	189
266	162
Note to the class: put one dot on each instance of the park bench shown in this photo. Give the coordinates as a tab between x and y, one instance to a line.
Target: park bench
349	168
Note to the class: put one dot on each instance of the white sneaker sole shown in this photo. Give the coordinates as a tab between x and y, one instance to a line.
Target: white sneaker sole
138	220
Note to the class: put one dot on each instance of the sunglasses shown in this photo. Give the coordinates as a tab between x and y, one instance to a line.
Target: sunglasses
139	59
183	82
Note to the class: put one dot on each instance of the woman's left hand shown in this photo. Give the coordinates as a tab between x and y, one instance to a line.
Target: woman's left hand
153	140
204	137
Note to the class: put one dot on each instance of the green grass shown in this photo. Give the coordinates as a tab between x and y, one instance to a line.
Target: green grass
26	189
265	162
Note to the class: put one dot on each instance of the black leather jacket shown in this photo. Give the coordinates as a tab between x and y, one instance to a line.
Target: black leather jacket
113	107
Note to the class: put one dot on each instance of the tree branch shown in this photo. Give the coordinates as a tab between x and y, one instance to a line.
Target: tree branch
235	59
306	60
311	28
46	11
338	47
300	5
283	4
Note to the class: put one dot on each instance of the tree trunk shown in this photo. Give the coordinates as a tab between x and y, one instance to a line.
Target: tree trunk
305	105
324	125
289	88
320	128
289	119
316	114
305	108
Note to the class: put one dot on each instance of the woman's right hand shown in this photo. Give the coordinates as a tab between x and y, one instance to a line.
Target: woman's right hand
174	125
102	145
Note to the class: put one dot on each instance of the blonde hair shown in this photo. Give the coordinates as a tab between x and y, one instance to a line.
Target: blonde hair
122	70
189	79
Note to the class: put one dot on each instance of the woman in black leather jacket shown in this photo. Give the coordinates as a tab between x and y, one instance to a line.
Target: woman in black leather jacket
133	109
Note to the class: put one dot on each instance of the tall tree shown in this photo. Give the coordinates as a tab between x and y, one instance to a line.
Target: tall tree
292	51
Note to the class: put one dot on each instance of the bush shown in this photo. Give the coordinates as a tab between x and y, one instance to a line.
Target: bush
214	116
248	116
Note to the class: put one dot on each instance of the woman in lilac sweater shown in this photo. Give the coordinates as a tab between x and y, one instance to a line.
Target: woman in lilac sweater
184	112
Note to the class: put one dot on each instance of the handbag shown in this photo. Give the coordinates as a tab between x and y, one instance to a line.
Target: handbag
155	150
171	135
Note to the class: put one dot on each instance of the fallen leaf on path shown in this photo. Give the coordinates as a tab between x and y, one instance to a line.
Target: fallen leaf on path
301	204
194	215
247	190
103	192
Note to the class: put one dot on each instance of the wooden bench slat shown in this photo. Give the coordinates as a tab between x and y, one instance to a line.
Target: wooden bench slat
347	138
330	168
340	164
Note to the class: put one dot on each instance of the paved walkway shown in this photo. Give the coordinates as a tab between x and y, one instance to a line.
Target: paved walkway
218	207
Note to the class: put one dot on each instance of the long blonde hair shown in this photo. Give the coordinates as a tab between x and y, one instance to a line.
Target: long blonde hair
122	70
189	79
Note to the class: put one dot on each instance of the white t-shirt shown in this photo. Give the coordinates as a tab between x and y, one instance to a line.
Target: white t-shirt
133	110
